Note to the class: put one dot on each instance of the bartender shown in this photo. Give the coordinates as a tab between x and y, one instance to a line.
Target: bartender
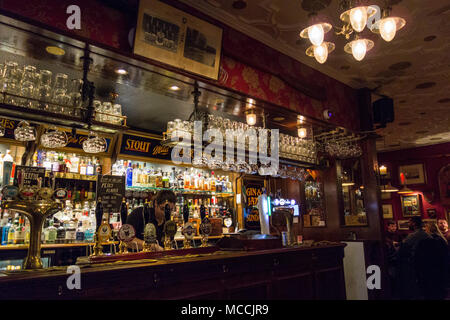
155	214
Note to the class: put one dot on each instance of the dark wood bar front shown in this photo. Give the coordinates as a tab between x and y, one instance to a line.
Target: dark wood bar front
305	273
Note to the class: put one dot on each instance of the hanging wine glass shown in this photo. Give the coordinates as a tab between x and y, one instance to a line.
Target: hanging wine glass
54	138
25	132
94	143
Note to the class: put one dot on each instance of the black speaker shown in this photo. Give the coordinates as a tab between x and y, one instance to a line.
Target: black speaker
383	112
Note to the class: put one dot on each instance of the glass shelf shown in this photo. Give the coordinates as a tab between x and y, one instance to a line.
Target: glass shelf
72	176
184	191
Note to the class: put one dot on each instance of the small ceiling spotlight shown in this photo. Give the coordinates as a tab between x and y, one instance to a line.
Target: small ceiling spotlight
121	71
251	117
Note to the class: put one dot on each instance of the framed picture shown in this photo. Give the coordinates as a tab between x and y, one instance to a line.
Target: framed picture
403	224
414	173
171	36
411	205
387	211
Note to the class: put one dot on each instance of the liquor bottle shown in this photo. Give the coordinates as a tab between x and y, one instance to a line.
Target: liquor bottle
229	186
79	236
134	176
159	183
35	160
152	178
61	163
51	232
212	182
47	162
129	174
98	167
19	234
187	179
6	225
144	176
201	182
173	179
83	167
165	180
60	232
91	192
90	170
82	194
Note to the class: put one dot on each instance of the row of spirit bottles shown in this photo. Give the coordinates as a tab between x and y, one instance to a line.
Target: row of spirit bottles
69	163
138	175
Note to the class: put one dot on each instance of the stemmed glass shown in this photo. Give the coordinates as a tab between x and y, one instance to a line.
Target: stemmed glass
94	143
25	132
54	138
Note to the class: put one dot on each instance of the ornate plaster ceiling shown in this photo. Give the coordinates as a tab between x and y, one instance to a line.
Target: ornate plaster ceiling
413	69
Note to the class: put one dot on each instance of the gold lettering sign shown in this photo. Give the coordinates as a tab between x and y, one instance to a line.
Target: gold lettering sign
7	123
77	139
160	150
136	145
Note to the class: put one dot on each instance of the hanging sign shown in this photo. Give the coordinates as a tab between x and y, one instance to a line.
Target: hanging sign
144	147
253	189
29	176
111	191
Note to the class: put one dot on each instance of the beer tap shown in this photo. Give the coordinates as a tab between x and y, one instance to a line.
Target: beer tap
98	248
170	228
188	228
123	219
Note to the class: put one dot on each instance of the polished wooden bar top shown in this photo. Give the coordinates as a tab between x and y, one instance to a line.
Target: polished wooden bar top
161	260
299	272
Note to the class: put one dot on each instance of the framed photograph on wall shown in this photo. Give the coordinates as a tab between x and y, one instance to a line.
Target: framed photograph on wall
387	211
173	37
414	173
411	205
403	224
431	213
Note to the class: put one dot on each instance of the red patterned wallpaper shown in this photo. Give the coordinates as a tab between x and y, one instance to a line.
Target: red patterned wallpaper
248	66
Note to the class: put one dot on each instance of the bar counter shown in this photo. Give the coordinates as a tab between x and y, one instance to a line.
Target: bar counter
314	272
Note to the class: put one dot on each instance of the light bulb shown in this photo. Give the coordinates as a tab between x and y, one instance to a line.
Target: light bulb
359	49
321	53
316	34
388	28
251	119
301	132
358	18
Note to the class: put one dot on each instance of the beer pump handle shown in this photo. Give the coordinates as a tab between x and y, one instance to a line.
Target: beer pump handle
202	212
99	214
123	212
185	213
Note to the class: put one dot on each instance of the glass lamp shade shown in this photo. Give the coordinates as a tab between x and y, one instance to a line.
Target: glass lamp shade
388	27
316	33
358	17
320	53
358	48
302	132
251	119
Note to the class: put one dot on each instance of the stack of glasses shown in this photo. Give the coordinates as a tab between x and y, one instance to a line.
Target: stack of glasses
35	89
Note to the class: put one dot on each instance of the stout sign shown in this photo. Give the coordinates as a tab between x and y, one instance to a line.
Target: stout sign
144	147
29	176
111	191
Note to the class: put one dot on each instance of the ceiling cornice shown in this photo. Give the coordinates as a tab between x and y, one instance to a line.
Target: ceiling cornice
233	22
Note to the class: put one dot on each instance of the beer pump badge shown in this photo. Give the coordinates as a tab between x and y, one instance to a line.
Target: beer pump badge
150	233
170	228
228	222
61	194
206	227
104	232
127	233
188	231
10	192
27	193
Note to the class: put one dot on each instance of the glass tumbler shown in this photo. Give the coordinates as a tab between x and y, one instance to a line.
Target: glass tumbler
44	89
28	86
97	104
60	98
10	83
117	112
107	110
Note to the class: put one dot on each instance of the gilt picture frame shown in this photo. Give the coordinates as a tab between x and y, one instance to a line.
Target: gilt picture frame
414	173
173	37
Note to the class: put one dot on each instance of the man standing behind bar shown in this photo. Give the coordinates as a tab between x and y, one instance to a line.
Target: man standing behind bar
140	216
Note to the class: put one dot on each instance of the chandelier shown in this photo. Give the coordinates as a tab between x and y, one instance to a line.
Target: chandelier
356	17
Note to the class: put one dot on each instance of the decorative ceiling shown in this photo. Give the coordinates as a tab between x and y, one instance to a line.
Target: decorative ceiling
413	69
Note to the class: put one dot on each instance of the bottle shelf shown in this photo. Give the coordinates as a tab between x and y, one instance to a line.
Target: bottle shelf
184	191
